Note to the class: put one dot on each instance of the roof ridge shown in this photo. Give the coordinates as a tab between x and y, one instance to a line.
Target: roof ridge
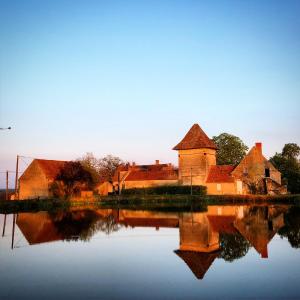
195	138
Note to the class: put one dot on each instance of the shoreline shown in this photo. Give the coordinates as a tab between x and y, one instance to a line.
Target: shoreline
157	202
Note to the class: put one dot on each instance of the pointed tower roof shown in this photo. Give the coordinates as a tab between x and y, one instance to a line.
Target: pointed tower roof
196	138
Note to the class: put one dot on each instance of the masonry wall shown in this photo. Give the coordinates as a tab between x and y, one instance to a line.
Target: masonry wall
195	163
105	188
33	183
225	188
148	183
253	167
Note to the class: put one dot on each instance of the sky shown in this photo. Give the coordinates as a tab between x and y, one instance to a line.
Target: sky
129	78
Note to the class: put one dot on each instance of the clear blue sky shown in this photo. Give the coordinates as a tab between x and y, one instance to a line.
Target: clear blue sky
129	78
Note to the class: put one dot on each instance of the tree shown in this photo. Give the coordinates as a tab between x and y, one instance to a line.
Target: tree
102	169
108	166
91	164
288	164
291	151
231	149
74	178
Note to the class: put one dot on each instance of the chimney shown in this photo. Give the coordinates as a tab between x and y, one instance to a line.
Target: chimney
133	164
258	146
157	161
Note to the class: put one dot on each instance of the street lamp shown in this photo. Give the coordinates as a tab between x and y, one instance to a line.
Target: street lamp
1	128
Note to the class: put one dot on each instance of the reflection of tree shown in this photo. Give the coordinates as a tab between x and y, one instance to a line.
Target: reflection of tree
233	246
82	225
107	225
291	230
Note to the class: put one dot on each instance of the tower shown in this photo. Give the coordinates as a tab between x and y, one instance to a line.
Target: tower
196	153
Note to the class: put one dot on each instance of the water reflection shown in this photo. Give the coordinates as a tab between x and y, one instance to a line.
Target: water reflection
222	232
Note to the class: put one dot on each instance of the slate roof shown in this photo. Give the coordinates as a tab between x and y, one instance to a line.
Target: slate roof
196	138
220	174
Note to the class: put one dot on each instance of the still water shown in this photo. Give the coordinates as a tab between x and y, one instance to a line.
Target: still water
226	252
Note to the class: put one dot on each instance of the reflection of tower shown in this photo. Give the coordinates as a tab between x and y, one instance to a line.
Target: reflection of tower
196	153
199	243
196	233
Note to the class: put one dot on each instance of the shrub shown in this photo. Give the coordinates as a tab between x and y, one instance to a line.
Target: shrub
166	190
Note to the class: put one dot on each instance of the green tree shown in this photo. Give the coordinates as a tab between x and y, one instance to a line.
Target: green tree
231	149
74	178
287	163
91	164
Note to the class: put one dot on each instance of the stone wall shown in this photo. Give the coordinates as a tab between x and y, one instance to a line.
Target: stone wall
148	183
33	183
224	188
195	163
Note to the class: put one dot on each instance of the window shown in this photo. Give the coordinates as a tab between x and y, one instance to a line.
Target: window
245	171
219	187
267	172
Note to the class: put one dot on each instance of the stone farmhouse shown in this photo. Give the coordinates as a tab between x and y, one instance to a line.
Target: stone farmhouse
36	180
196	166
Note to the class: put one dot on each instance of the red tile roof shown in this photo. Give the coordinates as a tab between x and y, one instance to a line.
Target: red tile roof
198	262
222	224
220	174
51	168
196	138
152	175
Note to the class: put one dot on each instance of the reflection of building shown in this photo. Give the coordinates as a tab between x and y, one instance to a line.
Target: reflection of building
199	242
260	226
135	218
200	233
38	228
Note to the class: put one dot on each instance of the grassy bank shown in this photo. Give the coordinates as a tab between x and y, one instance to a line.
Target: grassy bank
146	202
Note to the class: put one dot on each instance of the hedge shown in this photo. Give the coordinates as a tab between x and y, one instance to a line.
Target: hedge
167	190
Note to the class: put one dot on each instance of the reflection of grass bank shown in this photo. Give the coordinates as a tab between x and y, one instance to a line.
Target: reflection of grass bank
8	207
149	202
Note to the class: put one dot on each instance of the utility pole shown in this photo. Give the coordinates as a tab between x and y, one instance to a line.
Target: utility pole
119	183
191	181
6	193
16	179
13	232
4	225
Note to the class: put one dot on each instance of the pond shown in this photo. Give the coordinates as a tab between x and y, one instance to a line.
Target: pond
224	252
